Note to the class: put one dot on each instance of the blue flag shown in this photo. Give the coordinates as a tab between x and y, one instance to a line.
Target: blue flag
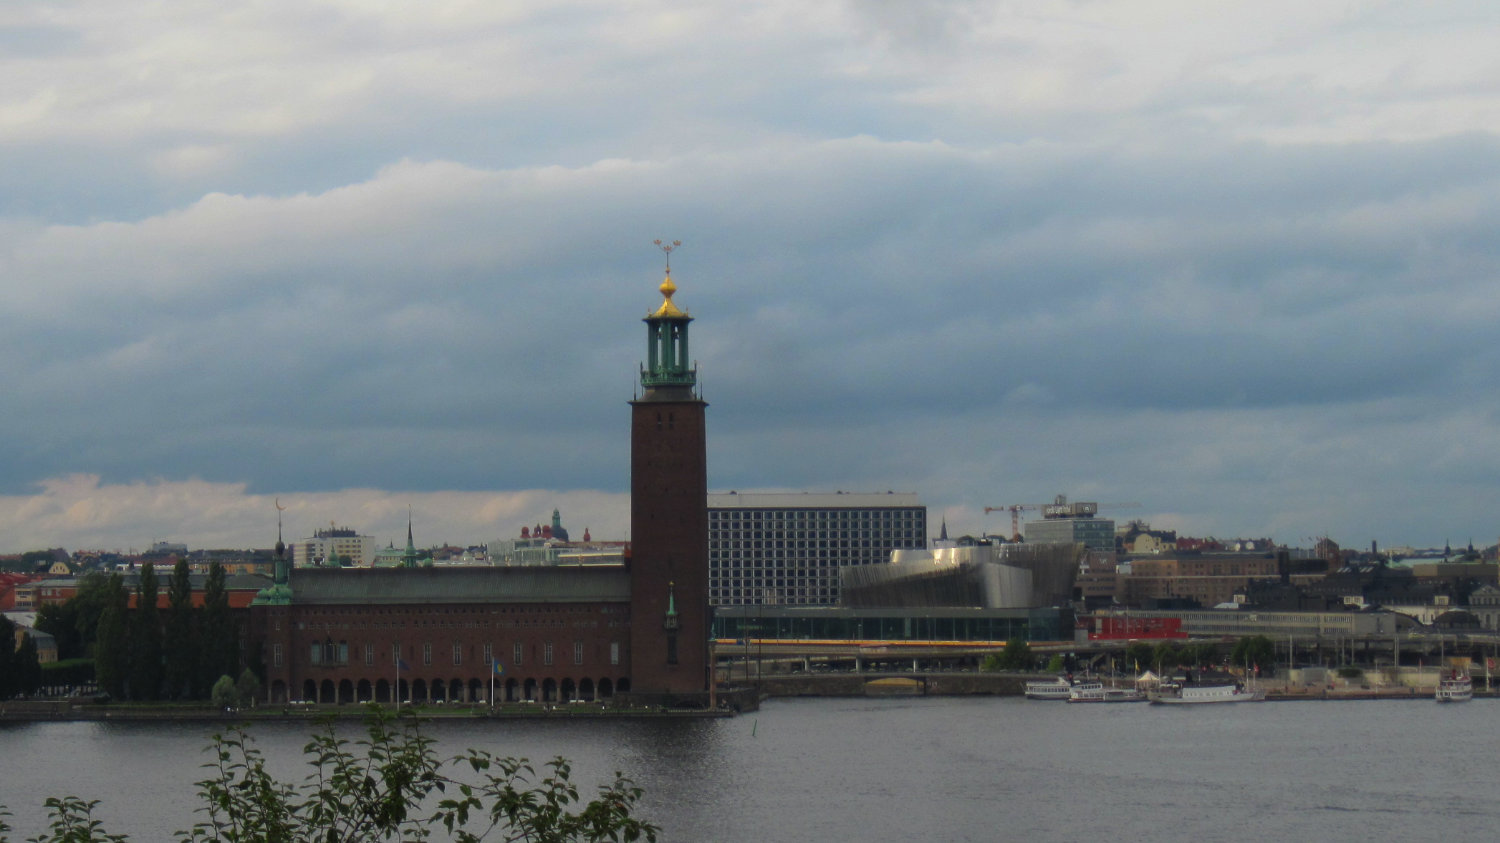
499	671
402	665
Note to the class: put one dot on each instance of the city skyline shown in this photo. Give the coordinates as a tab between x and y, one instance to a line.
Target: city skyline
1234	263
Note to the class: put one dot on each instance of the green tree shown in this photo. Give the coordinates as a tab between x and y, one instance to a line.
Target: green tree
180	644
145	638
93	595
1164	656
60	620
224	694
1017	656
1138	657
27	666
247	687
1205	654
220	653
112	640
9	684
1254	652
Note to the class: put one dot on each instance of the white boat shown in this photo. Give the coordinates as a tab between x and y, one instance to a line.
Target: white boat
1051	689
1097	692
1204	694
1457	687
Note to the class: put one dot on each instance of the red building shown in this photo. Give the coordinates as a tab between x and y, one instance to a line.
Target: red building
638	630
1126	628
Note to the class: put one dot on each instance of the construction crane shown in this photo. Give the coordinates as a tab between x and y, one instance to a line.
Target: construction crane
1058	508
1015	516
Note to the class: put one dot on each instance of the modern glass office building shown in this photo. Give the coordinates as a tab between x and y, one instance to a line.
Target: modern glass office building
1093	533
788	548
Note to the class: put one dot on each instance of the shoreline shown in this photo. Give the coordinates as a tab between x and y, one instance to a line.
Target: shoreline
62	712
734	702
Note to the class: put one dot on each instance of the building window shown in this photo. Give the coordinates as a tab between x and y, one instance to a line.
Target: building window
427	654
458	653
547	653
276	655
343	652
369	655
489	654
577	652
316	654
396	654
614	652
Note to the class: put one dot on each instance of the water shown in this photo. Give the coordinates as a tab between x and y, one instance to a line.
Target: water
975	768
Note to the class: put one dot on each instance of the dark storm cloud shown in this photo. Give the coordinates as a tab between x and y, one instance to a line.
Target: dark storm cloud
985	252
436	324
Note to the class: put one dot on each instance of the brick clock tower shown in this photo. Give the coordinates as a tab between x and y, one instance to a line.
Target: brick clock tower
669	614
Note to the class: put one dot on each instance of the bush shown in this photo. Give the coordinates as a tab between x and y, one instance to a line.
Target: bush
374	789
73	673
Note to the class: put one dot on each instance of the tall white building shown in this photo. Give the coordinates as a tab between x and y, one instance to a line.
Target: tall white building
330	545
788	548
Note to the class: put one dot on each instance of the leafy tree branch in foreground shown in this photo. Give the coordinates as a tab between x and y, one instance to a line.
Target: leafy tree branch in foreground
388	785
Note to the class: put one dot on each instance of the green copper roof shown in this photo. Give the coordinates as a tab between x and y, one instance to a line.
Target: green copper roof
461	584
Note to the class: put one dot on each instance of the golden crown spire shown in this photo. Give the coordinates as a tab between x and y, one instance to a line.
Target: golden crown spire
667	287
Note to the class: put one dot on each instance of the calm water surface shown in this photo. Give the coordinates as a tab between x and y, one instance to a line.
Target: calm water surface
905	769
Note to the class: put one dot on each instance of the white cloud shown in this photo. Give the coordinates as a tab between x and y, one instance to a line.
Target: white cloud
80	512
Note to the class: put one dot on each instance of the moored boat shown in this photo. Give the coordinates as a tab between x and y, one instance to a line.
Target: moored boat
1096	692
1455	687
1204	694
1051	689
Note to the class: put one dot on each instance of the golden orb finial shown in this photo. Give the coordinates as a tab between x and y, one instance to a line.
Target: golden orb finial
667	288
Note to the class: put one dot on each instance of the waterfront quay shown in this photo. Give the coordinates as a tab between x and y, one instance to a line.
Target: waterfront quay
974	683
733	701
1404	667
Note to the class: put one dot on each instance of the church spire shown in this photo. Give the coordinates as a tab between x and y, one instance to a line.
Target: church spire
280	573
409	558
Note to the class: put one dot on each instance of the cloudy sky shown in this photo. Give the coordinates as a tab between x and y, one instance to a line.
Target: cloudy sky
1235	262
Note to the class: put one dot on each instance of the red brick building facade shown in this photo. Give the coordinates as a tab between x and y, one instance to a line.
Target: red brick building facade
545	633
